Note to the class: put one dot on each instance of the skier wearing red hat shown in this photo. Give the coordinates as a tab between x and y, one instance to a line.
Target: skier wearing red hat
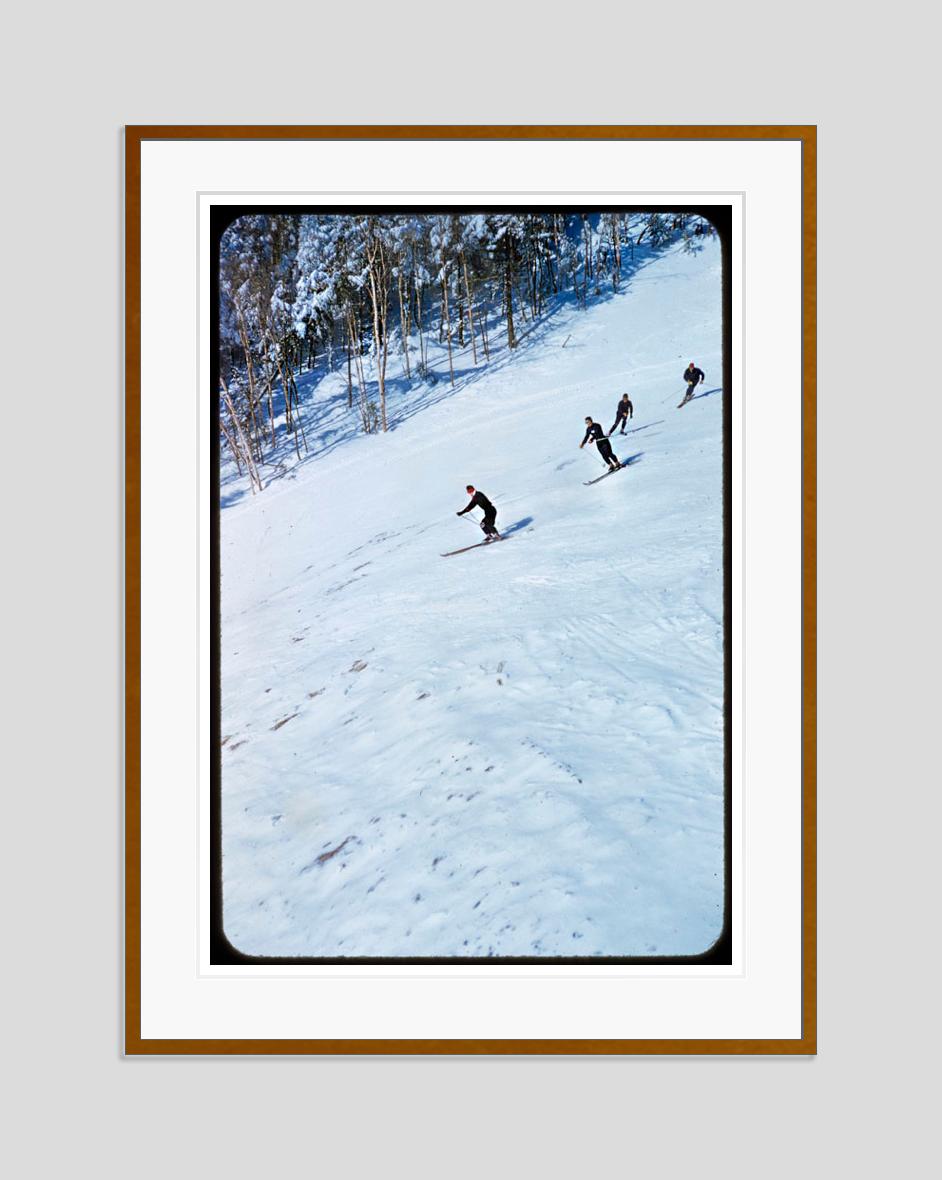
693	376
479	500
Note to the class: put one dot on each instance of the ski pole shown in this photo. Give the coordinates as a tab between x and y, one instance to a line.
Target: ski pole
473	520
601	460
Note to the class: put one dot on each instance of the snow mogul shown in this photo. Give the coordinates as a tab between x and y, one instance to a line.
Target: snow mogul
595	433
479	500
623	411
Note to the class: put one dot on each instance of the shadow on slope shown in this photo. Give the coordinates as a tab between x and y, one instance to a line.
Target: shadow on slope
517	526
632	459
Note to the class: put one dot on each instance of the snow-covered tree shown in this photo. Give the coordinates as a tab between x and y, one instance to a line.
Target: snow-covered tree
295	286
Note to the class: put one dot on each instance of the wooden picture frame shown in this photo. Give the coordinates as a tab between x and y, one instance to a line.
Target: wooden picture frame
136	1042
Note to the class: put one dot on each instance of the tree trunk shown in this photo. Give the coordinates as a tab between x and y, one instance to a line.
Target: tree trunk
254	478
509	290
423	343
356	349
269	397
284	373
299	419
467	293
586	256
379	297
230	442
404	325
250	376
349	374
445	318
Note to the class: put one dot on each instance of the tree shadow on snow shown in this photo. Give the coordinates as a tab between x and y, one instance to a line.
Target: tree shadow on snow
227	499
330	422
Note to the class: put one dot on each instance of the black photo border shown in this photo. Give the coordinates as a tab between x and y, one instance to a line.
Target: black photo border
221	950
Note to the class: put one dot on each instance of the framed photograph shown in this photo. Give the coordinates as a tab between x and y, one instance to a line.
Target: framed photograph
470	607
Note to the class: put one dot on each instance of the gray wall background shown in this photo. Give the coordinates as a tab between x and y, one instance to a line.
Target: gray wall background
74	76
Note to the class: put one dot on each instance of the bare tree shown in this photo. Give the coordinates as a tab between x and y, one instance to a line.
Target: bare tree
377	260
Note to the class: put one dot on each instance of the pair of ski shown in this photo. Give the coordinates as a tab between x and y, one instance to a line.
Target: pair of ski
611	471
479	545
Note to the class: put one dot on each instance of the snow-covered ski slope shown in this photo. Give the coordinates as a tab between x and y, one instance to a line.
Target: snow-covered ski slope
516	751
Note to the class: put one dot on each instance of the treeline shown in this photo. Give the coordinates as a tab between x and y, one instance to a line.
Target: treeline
350	289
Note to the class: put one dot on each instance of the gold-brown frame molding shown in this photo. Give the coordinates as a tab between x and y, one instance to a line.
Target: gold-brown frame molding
134	1044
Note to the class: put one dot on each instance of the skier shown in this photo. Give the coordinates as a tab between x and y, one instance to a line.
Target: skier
595	433
623	411
479	500
693	376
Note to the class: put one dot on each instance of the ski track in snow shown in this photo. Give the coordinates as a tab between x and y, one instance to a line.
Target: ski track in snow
517	750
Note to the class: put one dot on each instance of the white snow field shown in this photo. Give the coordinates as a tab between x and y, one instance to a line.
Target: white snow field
516	751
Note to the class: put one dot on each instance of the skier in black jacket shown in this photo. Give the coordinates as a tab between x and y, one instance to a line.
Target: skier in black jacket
479	500
623	411
693	376
595	433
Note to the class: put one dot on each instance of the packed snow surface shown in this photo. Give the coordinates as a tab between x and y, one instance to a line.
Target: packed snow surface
517	750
